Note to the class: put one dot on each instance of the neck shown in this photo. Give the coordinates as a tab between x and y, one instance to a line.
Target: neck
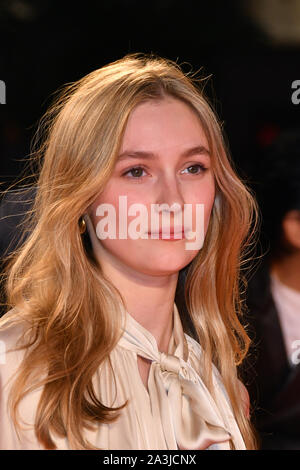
287	270
149	299
151	306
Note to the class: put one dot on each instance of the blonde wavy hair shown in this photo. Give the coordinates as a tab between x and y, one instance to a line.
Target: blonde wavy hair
54	284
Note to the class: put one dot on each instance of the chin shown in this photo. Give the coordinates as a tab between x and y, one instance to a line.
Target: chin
158	272
161	268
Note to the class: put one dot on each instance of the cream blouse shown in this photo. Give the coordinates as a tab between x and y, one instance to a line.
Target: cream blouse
177	413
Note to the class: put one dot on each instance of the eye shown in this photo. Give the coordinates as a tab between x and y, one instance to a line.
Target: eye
199	165
135	171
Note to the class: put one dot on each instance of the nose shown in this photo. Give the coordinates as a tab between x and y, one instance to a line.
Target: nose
169	195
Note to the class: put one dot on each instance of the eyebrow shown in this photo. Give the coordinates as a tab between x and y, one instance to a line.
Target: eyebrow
199	149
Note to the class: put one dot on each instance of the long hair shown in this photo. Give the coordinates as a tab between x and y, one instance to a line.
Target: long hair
54	283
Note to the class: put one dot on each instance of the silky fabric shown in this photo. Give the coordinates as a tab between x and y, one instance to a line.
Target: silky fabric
177	393
178	412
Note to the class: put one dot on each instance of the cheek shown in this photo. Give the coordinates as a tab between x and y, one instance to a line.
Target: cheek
205	196
208	205
112	196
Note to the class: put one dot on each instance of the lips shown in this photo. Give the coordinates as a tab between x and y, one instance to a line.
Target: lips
173	231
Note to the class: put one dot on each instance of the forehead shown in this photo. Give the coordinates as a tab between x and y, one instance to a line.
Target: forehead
155	125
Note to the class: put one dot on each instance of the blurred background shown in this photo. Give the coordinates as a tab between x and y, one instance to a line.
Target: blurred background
250	49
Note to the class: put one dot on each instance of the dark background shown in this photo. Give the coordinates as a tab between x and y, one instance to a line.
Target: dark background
45	44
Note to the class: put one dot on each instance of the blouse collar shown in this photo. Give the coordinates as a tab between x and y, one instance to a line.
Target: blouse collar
177	345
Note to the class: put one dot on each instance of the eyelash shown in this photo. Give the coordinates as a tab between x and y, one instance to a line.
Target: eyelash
203	168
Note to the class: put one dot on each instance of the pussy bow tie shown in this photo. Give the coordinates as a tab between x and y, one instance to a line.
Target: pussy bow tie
177	393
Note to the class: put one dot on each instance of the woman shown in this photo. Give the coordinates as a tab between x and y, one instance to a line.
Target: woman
106	360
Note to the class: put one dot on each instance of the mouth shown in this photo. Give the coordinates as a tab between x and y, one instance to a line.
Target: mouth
170	235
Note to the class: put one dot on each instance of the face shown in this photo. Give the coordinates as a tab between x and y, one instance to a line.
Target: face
164	159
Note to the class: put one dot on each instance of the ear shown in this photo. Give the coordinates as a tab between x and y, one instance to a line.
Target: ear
245	399
291	228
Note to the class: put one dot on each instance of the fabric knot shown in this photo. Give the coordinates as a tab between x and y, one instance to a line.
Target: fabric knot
170	363
188	416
